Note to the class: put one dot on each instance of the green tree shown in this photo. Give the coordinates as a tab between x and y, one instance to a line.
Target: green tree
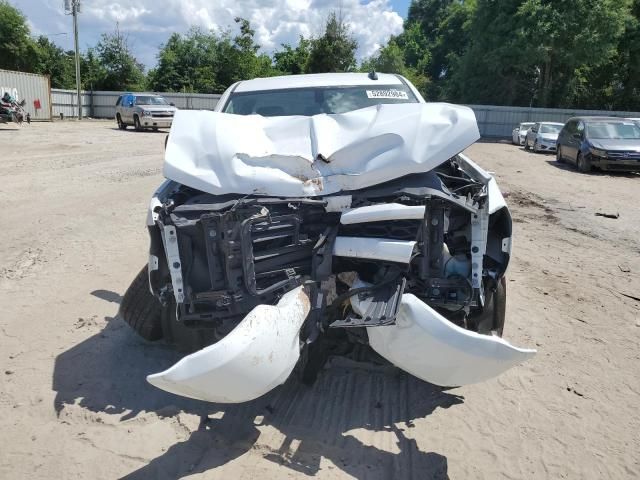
186	63
293	60
55	62
616	83
537	52
92	70
238	58
391	59
436	34
335	50
204	62
17	50
119	68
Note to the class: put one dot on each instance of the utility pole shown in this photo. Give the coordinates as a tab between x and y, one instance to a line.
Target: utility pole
72	7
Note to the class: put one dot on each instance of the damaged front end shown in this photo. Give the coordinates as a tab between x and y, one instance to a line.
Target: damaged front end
414	267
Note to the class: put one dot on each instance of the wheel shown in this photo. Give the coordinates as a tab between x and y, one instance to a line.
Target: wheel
559	158
526	144
584	165
535	146
136	123
491	319
141	310
121	124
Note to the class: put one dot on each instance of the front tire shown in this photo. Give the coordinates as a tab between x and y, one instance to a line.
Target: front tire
559	158
490	321
526	144
141	310
136	123
584	165
536	148
121	124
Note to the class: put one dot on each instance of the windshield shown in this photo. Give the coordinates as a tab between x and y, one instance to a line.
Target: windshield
526	126
149	100
613	131
316	100
550	128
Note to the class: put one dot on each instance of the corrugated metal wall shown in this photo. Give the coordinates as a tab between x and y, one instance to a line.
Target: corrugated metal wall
65	102
101	104
500	121
33	88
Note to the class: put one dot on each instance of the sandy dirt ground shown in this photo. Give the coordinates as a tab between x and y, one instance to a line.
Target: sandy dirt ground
74	403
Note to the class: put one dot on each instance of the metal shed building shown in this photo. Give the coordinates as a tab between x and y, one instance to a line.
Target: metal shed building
35	89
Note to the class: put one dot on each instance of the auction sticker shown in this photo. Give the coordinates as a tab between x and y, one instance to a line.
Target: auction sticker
391	93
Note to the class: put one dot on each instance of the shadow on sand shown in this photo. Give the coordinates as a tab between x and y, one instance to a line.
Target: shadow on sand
106	373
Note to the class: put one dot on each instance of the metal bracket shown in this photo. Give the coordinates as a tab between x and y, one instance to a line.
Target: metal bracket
173	260
479	232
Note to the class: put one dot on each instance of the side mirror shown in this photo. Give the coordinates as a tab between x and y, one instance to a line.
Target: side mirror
172	104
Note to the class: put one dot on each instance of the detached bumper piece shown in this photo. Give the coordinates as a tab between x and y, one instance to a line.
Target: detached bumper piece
257	356
430	347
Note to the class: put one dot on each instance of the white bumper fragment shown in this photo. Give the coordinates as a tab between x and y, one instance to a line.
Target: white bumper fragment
258	355
428	346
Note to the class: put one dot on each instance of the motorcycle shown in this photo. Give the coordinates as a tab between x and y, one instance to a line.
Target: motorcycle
13	111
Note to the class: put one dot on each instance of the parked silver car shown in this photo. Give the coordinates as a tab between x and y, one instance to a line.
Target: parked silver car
518	134
144	110
542	137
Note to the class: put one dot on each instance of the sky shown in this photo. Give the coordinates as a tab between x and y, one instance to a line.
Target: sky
149	23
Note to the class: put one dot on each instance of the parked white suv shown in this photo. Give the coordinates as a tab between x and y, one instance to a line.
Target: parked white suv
144	110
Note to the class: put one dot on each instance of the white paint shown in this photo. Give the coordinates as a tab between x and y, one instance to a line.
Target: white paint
388	250
382	212
224	153
258	355
316	80
430	347
338	203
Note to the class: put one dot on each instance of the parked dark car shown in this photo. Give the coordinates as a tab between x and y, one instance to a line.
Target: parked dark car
607	143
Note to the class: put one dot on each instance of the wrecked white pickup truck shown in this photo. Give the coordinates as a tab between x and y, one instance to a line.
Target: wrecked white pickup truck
320	209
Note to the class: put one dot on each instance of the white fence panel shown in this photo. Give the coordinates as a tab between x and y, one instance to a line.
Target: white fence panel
494	121
102	104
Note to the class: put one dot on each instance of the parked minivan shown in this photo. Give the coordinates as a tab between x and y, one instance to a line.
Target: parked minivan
608	143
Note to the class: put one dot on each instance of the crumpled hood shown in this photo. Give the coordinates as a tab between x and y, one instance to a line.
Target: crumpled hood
616	144
223	153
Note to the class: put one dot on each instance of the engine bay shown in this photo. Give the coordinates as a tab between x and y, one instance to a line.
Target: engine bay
428	234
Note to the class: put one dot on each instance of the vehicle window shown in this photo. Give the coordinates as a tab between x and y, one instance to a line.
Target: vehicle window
127	100
550	128
571	127
316	100
150	100
613	130
525	126
534	129
119	101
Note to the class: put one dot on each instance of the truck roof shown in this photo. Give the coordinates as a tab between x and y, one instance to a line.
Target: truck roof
316	80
